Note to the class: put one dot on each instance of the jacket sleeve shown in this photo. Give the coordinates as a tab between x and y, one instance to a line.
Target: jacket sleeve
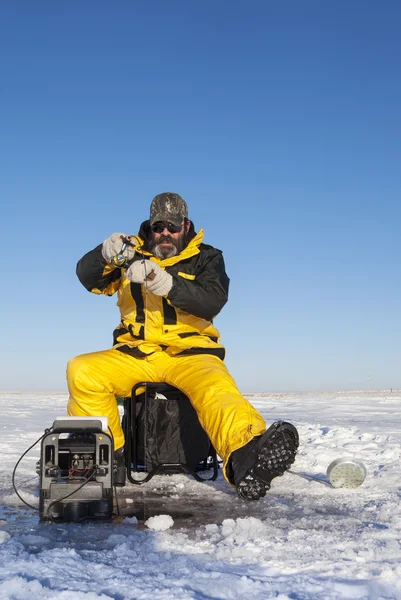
96	275
206	295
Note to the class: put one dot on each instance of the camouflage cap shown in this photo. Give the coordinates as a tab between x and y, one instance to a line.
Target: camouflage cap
168	207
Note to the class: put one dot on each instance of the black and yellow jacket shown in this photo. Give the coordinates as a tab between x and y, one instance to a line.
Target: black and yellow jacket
182	321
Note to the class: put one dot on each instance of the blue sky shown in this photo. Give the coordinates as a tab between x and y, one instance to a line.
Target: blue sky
278	122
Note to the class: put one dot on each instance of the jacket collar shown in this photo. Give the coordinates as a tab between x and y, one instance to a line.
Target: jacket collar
190	250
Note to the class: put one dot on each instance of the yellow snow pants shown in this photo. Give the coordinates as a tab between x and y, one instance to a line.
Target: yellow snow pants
95	379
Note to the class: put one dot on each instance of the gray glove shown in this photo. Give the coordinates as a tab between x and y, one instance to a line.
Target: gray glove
157	279
112	247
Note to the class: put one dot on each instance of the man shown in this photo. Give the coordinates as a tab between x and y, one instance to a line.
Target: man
170	286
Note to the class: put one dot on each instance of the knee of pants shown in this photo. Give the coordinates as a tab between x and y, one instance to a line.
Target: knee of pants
78	374
73	368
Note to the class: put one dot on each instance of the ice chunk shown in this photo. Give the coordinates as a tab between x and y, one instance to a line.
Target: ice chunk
159	522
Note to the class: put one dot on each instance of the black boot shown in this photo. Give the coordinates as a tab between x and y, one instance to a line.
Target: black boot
252	467
119	469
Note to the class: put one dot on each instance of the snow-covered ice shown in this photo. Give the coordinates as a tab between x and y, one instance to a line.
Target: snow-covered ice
303	541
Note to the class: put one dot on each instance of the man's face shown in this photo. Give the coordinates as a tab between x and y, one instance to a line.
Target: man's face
166	240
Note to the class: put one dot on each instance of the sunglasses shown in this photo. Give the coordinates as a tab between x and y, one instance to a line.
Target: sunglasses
162	225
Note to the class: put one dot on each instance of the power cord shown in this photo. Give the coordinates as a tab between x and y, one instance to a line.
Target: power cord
16	466
87	480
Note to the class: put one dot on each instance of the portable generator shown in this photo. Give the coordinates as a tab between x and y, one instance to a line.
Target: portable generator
76	470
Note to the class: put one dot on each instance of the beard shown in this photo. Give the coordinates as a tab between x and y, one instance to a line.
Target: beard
177	245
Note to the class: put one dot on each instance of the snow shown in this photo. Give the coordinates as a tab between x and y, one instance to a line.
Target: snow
159	522
305	540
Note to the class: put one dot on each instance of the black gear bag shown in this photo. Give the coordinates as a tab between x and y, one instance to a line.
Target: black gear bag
163	434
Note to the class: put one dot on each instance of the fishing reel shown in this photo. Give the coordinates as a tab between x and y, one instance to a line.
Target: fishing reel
119	260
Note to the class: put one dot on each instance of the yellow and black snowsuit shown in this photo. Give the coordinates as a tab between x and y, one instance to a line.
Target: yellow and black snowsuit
168	339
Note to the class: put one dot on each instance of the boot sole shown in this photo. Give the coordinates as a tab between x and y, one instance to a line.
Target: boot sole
277	450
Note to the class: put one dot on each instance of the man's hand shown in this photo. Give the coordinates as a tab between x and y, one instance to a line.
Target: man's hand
157	280
112	247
